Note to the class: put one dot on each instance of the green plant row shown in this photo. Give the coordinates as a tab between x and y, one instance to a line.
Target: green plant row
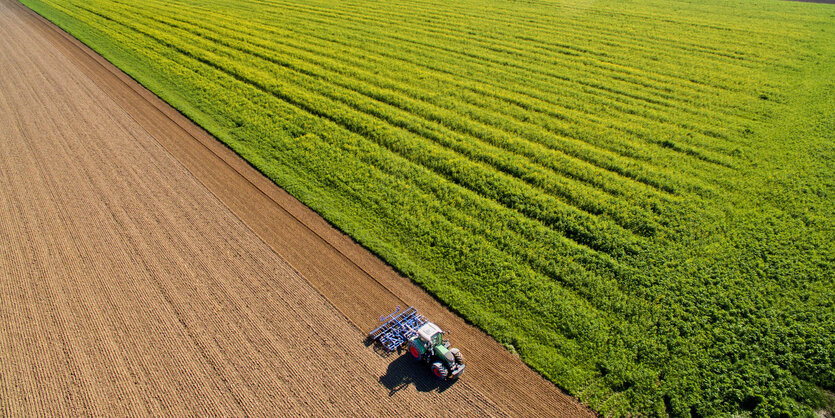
328	22
492	118
510	164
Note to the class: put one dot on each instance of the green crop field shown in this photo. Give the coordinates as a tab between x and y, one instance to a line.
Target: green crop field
634	196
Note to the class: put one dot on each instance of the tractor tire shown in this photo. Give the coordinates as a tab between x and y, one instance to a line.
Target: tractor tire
459	358
414	352
439	370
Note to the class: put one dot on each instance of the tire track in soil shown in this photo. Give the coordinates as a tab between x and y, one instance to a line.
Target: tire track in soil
188	309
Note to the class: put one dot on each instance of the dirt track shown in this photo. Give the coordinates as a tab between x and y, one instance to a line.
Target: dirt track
145	268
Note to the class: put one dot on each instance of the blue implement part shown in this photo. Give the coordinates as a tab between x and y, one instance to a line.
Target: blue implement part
397	328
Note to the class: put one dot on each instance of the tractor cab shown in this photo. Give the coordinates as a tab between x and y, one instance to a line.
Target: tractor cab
431	335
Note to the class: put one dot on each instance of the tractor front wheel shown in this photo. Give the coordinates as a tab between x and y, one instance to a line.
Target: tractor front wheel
439	370
459	358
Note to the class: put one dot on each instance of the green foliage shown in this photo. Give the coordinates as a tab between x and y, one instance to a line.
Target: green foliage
633	196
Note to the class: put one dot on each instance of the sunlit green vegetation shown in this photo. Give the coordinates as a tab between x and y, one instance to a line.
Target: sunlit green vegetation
635	196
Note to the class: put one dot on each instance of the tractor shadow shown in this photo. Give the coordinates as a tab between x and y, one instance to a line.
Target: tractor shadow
404	371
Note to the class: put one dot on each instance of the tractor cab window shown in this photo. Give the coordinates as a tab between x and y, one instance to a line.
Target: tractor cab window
438	338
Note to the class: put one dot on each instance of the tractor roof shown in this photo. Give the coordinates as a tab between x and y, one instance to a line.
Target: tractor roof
427	330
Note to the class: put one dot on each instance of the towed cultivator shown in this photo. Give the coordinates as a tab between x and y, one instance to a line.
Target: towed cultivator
425	340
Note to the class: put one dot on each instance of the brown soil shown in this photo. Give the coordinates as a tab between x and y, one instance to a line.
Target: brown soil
145	268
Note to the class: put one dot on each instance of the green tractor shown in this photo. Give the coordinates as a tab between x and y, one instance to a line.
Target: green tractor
430	346
425	340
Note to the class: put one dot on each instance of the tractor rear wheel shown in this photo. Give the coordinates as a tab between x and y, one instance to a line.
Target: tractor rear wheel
414	352
439	370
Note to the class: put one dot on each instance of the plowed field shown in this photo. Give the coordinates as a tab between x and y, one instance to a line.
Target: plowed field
145	269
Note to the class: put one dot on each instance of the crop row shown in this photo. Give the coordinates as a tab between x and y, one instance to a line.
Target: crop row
465	145
516	79
316	100
490	117
532	51
329	22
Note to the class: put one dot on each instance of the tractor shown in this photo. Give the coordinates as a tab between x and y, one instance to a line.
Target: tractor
424	339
